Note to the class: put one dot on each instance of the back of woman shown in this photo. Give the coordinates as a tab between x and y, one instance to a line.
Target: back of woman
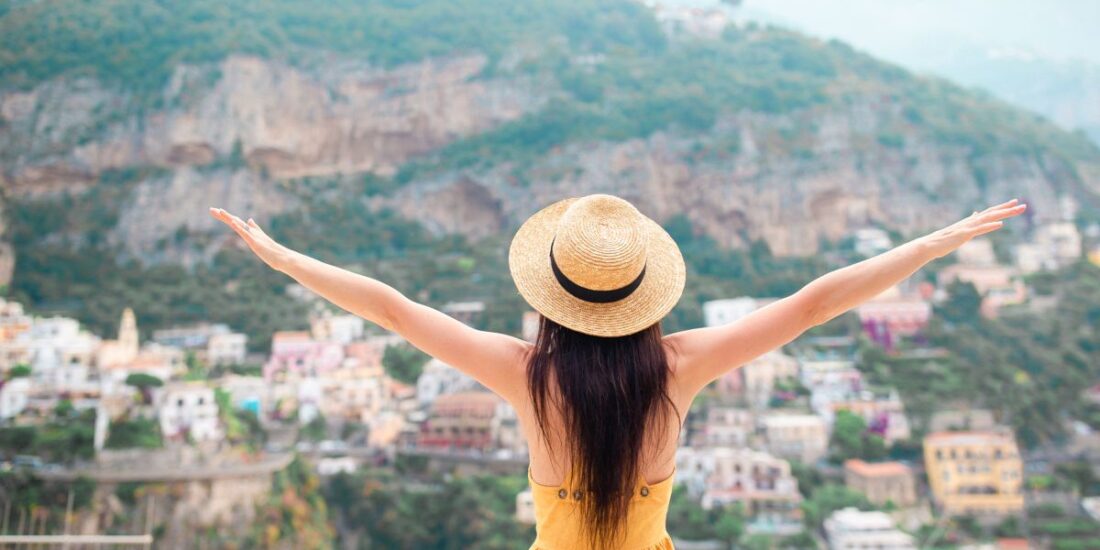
601	394
602	429
601	419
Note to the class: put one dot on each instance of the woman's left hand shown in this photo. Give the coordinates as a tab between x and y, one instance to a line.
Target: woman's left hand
950	238
271	252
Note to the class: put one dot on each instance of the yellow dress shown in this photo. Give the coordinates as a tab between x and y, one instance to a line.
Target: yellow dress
558	519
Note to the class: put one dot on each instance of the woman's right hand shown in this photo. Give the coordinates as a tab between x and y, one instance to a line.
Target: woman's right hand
272	253
950	238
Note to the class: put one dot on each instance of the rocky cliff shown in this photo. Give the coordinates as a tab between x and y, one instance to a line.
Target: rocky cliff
246	132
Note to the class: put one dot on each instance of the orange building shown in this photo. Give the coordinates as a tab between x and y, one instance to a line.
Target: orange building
882	482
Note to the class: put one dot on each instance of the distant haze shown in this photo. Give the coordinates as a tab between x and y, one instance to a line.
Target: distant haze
1044	56
917	33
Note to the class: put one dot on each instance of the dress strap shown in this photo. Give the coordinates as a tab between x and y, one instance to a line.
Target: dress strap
566	482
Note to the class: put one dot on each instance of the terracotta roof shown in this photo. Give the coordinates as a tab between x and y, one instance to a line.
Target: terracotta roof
1012	544
876	469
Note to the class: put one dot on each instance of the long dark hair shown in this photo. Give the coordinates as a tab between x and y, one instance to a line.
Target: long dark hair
610	392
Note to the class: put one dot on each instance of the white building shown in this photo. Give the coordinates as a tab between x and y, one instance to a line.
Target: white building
310	395
760	482
343	329
707	21
330	466
726	427
194	336
226	349
439	378
977	252
1055	245
871	241
1062	240
722	312
188	410
802	437
13	397
63	355
851	529
830	381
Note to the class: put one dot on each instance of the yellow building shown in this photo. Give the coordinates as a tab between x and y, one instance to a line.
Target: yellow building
974	472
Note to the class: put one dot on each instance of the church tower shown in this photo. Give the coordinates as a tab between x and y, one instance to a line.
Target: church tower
128	333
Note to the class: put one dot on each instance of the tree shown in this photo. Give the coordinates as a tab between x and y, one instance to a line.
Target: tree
404	362
64	409
145	384
828	499
730	525
19	371
143	433
316	429
851	439
963	305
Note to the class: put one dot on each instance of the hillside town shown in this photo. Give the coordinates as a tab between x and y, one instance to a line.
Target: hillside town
186	400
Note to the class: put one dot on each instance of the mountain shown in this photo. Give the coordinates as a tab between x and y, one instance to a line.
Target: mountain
370	132
1065	91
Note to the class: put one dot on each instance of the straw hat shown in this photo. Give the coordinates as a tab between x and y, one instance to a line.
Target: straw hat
597	265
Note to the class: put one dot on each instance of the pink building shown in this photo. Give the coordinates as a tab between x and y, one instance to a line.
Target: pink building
297	355
886	321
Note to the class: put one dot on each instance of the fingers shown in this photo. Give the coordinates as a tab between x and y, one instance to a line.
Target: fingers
988	228
255	227
234	223
1005	204
1001	213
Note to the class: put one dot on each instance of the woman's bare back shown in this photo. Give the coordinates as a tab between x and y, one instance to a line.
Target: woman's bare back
550	464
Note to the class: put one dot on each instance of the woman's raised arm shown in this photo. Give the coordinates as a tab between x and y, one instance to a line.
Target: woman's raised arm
495	360
704	354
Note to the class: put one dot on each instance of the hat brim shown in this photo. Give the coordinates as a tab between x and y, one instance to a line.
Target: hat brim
658	293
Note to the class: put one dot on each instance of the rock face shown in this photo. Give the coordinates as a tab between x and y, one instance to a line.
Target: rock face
226	135
838	180
343	118
238	134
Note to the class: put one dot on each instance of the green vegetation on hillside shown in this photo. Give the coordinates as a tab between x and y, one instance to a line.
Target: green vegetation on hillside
619	77
134	433
138	43
686	85
464	512
62	439
294	515
1032	367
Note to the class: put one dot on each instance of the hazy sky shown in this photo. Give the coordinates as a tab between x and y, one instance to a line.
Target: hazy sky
915	32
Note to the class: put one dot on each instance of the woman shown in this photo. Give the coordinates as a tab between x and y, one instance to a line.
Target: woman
601	395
